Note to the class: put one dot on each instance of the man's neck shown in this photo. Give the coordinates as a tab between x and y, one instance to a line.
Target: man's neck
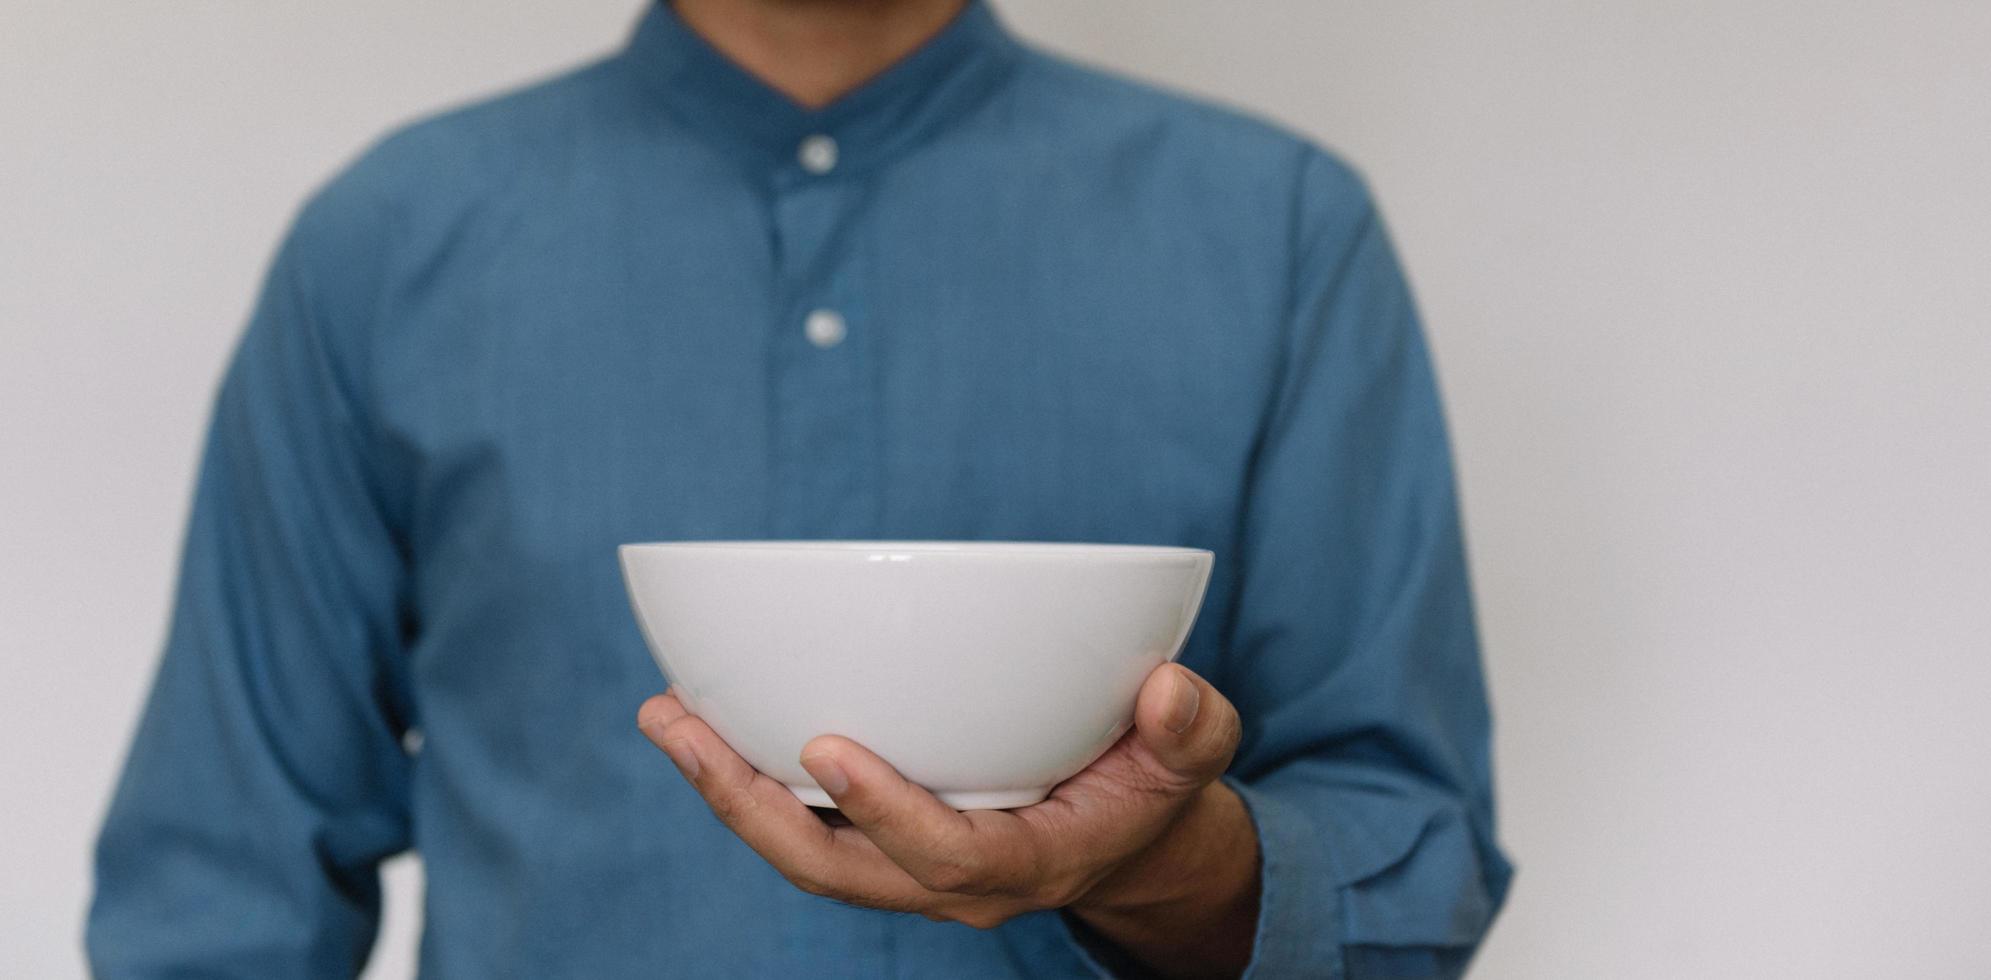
816	50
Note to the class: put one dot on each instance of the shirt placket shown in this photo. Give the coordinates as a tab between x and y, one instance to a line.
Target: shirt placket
822	354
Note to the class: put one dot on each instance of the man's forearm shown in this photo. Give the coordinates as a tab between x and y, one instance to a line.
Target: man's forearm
1188	907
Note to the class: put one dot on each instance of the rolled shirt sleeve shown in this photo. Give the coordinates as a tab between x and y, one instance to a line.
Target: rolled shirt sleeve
1351	651
267	778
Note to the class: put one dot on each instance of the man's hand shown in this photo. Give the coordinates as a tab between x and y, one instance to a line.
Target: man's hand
1144	845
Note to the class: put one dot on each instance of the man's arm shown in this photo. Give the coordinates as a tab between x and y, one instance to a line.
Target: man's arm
267	778
1352	660
1352	654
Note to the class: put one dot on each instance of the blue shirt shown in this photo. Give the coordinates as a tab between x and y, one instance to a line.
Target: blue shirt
989	295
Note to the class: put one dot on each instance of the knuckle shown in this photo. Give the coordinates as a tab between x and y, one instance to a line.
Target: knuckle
679	728
944	877
981	918
813	878
1055	894
723	805
1155	781
808	883
731	806
948	875
1233	730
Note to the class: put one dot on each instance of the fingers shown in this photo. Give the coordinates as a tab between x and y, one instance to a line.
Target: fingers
944	850
770	819
659	711
1189	729
904	850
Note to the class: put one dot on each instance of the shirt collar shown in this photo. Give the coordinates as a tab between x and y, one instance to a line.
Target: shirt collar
898	109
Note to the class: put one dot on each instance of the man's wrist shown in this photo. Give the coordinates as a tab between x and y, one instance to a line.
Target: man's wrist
1209	852
1188	904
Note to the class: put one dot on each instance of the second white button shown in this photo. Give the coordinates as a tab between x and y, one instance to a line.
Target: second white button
824	328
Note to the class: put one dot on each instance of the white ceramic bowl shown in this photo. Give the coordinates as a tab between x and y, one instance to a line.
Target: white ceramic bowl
987	672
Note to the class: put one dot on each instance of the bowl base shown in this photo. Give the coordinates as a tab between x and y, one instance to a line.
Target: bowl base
1001	799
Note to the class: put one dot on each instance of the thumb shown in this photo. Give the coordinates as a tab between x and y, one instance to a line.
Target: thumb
1189	729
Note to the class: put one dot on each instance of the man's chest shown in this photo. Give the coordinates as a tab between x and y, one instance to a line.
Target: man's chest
854	364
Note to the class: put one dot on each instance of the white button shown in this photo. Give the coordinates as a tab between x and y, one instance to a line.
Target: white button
818	154
824	328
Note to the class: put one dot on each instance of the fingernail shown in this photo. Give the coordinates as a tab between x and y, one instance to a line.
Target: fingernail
827	774
681	754
1182	702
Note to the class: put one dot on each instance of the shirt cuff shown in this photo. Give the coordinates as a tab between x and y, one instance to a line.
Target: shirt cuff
1298	905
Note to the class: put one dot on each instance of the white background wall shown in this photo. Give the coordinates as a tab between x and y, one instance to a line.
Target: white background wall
1710	287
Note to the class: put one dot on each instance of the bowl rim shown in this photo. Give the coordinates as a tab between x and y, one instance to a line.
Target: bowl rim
833	546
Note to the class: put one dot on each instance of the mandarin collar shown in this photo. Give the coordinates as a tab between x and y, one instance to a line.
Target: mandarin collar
894	111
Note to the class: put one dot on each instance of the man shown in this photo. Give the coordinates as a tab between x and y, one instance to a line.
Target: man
795	269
